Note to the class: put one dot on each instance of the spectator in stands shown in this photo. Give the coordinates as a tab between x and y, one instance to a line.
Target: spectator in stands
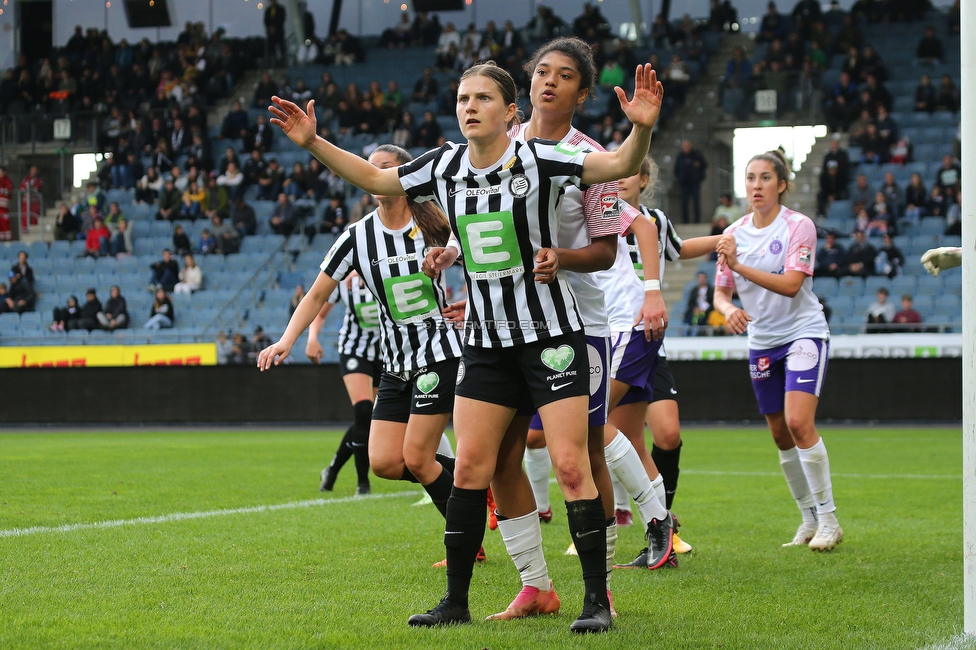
405	132
907	315
689	170
228	239
849	35
676	79
840	105
65	224
448	98
120	241
887	128
334	217
283	217
113	216
429	131
258	136
6	194
890	260
235	122
875	147
62	315
88	221
901	151
191	277
916	197
243	217
925	95
726	209
224	348
31	193
192	201
937	203
862	192
363	207
954	216
873	66
832	188
426	88
148	187
449	36
21	289
265	89
880	313
350	50
949	175
296	298
208	244
929	50
169	201
893	194
860	257
805	14
700	301
773	25
161	156
259	341
232	180
164	272
87	316
114	314
97	237
881	218
860	126
274	28
161	314
270	181
181	241
230	156
830	258
217	199
948	97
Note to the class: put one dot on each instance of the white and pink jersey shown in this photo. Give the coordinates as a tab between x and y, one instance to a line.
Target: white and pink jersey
584	216
789	243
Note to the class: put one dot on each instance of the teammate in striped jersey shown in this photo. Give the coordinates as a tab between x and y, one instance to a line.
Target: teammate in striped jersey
501	198
768	256
420	349
360	366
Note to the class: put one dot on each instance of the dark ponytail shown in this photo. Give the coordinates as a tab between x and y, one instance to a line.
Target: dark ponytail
429	218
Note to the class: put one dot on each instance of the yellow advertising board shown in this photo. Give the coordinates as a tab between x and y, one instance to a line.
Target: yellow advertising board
82	356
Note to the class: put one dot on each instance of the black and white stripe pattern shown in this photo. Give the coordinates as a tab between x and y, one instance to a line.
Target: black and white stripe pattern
359	335
502	216
413	334
668	242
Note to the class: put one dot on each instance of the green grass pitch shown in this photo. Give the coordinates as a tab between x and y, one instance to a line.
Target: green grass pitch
92	554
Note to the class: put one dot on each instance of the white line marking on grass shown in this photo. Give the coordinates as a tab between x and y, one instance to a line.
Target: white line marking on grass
939	477
960	642
183	516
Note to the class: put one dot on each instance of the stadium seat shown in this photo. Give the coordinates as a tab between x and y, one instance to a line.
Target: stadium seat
851	286
875	282
951	304
903	284
933	226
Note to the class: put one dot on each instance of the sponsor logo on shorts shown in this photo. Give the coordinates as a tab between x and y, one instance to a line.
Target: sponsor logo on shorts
596	368
760	369
803	355
558	359
556	387
352	364
460	374
428	382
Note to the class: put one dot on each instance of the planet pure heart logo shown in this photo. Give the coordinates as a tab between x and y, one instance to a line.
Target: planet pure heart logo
558	358
427	383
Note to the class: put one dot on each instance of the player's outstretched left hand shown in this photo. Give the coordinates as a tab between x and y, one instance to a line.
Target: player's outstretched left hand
939	259
645	107
300	126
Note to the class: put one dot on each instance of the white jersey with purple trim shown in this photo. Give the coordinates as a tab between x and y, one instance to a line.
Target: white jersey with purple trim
584	216
501	216
789	243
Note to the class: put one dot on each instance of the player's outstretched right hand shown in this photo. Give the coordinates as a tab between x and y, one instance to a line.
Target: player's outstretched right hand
438	258
273	355
940	259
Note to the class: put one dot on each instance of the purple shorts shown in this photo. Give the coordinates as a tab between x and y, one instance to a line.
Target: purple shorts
800	365
633	361
598	349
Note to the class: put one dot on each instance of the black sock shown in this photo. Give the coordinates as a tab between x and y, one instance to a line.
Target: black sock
408	476
362	411
463	534
447	462
440	490
343	453
587	526
667	463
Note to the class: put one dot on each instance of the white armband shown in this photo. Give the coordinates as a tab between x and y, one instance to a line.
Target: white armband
652	285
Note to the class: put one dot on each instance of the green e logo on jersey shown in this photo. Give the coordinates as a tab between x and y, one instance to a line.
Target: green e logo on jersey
568	149
410	298
490	245
368	314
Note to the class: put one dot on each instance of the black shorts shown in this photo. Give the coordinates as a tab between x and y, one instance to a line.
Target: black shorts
664	387
349	365
428	391
526	376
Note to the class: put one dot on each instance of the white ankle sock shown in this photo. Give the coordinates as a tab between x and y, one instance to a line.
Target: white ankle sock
538	466
611	548
658	485
796	478
523	541
621	500
444	448
625	464
816	466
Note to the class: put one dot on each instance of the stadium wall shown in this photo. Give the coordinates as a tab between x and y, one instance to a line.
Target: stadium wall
856	389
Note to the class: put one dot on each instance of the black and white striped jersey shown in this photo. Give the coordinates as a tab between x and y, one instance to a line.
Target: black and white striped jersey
668	241
359	335
413	334
501	217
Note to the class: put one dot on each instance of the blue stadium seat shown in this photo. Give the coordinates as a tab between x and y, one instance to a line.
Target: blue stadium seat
928	286
951	304
851	286
903	284
875	282
952	281
933	226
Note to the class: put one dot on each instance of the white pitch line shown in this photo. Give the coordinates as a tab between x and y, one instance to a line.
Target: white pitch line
960	642
183	516
939	477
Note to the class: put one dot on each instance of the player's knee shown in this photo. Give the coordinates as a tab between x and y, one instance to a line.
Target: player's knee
386	466
667	437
